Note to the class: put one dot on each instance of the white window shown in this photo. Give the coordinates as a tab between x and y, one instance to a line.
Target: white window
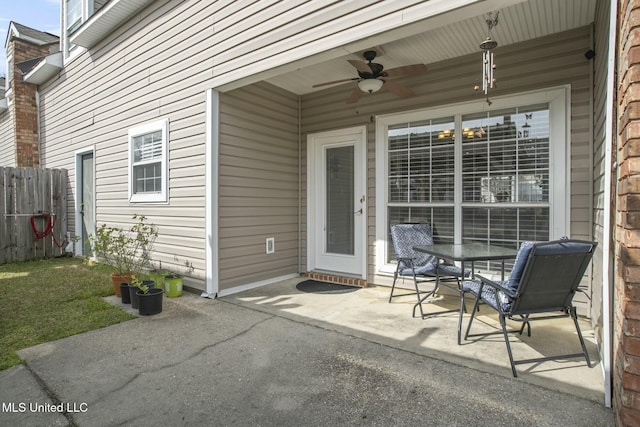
74	15
496	174
9	77
148	165
75	12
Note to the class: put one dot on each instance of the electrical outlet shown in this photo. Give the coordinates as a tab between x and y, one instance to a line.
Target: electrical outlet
270	245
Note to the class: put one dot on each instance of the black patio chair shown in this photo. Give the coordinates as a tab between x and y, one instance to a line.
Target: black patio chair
543	281
419	266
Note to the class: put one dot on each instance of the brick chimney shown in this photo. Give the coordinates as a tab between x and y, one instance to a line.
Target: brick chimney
23	103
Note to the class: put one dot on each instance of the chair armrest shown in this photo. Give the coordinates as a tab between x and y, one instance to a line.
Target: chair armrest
406	262
496	286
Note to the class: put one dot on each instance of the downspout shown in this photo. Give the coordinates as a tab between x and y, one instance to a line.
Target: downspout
40	165
300	184
211	194
607	270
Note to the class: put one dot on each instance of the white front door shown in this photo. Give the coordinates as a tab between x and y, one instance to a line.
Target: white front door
336	179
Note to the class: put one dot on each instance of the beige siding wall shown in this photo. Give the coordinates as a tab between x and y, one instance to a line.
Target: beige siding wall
601	30
7	144
269	33
126	81
258	192
543	63
158	65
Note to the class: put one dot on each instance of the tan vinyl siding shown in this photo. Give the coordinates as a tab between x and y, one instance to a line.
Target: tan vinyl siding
601	35
258	191
267	34
7	144
543	63
124	82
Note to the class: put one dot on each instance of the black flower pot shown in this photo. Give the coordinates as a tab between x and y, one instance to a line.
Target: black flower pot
124	293
133	296
150	303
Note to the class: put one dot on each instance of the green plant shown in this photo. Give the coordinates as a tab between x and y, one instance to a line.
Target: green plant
186	266
127	251
139	284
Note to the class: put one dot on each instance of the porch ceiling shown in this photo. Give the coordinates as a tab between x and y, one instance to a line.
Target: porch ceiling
519	22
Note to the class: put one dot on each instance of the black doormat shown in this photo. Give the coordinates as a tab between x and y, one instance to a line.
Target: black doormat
317	287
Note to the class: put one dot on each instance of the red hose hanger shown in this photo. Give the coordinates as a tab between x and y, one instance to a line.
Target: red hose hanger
48	230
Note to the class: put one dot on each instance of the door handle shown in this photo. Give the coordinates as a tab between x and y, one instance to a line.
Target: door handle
359	211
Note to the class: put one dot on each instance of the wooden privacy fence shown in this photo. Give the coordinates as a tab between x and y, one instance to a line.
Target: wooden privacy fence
33	213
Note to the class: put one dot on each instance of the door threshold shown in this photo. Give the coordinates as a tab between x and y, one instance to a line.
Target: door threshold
336	278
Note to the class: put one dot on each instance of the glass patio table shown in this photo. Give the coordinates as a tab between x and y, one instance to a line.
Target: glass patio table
469	252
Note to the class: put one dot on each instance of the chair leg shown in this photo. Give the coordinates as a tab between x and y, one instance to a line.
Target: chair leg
574	316
503	323
395	277
419	303
473	314
463	309
526	323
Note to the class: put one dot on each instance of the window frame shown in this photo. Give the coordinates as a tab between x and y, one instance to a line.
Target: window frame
163	195
70	51
8	86
558	99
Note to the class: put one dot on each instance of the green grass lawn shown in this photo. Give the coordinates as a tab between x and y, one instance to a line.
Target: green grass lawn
45	300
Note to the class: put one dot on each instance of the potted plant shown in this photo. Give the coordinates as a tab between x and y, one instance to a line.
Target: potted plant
157	274
149	298
135	286
173	281
127	251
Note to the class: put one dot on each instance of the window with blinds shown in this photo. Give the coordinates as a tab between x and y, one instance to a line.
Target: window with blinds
147	159
147	174
501	193
505	176
421	175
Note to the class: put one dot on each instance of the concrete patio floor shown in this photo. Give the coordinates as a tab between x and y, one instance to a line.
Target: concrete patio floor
365	313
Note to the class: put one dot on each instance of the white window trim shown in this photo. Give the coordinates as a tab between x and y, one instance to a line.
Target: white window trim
8	90
559	158
162	197
70	52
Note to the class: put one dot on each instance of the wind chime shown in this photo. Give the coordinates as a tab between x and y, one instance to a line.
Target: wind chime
488	66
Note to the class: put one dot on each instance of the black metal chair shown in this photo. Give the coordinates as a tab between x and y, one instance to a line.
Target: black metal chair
544	279
419	266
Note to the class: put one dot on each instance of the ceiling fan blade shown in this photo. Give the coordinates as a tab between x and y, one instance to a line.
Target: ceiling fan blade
398	89
335	82
360	66
407	70
355	95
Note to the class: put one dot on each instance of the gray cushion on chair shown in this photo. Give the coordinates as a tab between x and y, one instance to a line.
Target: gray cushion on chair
429	269
564	248
405	237
450	270
489	294
518	266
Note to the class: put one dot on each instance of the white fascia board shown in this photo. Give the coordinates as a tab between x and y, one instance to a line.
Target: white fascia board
107	19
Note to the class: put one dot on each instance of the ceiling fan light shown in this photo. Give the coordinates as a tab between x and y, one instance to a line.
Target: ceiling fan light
370	85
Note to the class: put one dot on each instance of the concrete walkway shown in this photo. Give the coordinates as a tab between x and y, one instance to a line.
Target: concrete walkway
226	362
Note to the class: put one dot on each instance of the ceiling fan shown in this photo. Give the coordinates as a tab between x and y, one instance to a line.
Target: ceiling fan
372	77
